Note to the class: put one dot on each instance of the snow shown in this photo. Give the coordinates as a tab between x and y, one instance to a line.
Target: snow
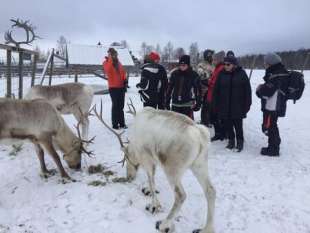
254	194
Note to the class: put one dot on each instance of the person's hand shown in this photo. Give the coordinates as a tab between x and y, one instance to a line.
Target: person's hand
196	107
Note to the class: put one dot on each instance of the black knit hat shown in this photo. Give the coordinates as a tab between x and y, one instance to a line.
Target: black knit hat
231	59
185	59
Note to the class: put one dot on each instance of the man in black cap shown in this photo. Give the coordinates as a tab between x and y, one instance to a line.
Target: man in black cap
184	89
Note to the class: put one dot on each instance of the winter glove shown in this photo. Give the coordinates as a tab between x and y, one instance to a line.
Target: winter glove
168	106
196	107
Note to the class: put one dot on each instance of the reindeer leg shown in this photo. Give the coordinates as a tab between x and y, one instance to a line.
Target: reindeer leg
200	170
40	153
49	147
147	190
155	206
167	225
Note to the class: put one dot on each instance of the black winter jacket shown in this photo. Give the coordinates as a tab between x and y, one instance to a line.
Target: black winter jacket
232	96
272	92
153	84
184	88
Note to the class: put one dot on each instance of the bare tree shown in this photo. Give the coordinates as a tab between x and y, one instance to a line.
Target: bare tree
124	44
194	53
168	52
61	46
178	52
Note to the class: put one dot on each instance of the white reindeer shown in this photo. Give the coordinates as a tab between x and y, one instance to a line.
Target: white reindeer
176	143
40	123
68	98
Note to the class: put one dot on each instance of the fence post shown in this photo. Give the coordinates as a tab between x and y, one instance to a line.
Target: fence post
8	73
51	69
20	70
76	77
34	68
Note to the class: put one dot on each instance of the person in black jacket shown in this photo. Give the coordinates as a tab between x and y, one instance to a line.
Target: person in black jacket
153	84
272	94
184	89
232	100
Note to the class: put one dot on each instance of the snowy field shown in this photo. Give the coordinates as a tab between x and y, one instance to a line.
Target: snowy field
255	194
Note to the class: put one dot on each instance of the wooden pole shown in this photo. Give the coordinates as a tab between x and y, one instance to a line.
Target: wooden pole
252	67
34	68
20	80
8	73
51	69
76	78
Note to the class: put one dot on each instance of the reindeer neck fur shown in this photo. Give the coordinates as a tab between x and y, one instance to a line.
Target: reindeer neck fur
65	138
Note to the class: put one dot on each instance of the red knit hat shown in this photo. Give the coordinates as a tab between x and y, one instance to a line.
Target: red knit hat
154	56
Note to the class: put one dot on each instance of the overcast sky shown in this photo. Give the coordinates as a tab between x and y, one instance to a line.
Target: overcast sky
245	26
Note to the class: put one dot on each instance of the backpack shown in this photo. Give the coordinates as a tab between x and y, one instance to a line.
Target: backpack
296	86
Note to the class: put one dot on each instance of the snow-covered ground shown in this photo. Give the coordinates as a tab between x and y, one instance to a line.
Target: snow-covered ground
255	194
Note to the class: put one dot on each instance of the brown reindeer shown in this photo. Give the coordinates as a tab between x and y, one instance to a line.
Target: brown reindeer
39	122
68	98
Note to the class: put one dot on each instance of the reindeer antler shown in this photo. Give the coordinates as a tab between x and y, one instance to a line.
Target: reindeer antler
89	153
100	117
131	108
29	28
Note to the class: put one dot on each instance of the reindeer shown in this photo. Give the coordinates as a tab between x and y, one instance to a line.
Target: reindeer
175	142
68	98
39	122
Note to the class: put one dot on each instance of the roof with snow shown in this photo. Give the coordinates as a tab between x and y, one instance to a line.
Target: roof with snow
94	54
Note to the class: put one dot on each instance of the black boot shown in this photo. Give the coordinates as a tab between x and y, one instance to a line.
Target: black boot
231	144
217	137
270	151
239	145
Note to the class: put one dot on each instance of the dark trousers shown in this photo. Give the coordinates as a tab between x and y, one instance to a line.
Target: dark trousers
270	128
204	114
219	129
153	105
184	110
118	101
234	128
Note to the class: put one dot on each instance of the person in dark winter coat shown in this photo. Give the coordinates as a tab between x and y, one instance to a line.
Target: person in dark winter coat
153	83
219	131
117	83
184	89
272	94
232	100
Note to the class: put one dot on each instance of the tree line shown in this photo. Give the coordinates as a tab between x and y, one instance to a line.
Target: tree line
295	60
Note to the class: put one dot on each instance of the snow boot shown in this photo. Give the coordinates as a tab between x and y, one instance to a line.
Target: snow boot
239	145
217	137
270	151
231	144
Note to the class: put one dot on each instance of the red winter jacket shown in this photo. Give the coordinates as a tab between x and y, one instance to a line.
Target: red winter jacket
212	81
116	79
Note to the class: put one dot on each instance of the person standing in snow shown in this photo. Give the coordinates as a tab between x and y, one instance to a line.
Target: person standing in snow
232	100
219	131
273	101
184	89
153	83
117	86
205	69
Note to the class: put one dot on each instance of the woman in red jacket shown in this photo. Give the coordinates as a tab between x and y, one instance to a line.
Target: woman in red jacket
117	86
217	60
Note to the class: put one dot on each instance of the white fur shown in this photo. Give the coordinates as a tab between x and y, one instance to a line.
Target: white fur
176	143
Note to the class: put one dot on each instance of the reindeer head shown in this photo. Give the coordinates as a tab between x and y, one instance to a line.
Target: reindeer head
129	156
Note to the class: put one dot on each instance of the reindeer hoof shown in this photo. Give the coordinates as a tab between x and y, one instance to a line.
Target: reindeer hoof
147	192
153	209
48	173
197	231
158	224
165	227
